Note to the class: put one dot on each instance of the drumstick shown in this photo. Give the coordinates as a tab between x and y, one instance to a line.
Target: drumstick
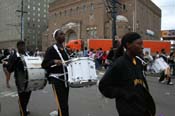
53	65
67	61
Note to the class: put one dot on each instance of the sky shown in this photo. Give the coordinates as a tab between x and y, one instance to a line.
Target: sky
168	13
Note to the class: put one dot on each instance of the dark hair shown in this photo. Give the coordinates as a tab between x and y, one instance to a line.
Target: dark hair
58	32
20	42
171	54
6	52
162	50
127	38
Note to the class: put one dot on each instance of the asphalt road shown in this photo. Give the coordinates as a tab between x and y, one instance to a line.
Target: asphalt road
82	101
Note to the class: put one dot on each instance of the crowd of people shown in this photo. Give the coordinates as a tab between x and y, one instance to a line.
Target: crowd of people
103	59
168	72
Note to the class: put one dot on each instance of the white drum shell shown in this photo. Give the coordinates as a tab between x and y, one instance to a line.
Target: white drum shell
81	71
36	75
159	65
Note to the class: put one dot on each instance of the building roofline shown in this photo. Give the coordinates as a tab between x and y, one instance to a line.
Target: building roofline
61	3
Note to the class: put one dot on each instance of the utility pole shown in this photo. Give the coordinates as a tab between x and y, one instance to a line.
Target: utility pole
112	6
114	15
22	19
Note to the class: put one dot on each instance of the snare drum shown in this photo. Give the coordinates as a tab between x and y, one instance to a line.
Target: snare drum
159	65
81	72
33	77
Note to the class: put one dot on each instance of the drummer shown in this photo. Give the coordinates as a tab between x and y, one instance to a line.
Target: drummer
57	72
16	65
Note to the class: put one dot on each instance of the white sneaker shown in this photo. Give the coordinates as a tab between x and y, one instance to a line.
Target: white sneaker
170	83
164	81
53	113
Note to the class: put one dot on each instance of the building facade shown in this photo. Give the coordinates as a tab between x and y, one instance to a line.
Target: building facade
9	23
35	22
85	19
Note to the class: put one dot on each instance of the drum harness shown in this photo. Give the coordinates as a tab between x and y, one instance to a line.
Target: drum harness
21	55
143	63
64	65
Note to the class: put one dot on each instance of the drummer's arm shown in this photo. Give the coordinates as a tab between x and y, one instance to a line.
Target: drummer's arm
48	59
47	63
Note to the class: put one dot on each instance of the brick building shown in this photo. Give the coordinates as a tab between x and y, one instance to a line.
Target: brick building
84	19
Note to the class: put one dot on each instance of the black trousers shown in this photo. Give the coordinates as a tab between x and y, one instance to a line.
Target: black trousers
163	76
61	93
23	102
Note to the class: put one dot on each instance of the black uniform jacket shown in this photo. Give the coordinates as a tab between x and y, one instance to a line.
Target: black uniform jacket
15	64
125	82
51	55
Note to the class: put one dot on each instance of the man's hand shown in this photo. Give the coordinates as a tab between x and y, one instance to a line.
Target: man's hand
58	62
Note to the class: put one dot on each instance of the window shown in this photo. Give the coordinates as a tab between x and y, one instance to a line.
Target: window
92	7
39	4
55	14
39	14
71	11
28	18
77	9
44	16
33	8
124	7
28	6
92	32
84	8
38	9
38	20
65	12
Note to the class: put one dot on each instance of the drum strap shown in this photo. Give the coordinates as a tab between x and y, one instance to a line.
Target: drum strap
144	77
19	55
64	64
57	76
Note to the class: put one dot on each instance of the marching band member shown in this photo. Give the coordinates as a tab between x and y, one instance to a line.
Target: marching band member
166	74
5	64
16	65
57	73
125	80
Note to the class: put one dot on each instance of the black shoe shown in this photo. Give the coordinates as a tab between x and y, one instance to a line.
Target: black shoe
28	112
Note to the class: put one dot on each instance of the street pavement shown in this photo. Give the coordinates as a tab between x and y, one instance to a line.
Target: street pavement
85	101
